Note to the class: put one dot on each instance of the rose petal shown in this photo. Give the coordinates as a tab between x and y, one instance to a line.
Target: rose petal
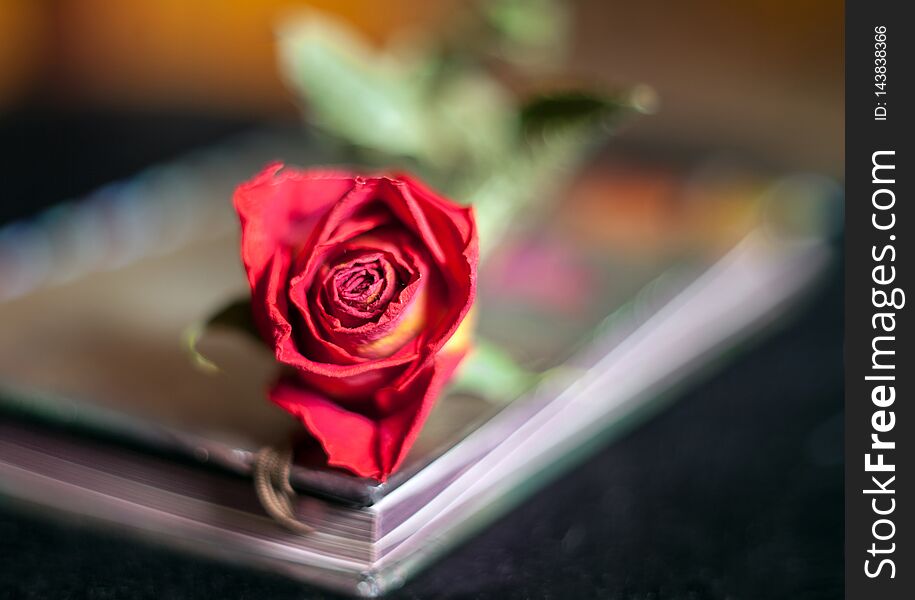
402	318
398	430
279	208
365	446
348	438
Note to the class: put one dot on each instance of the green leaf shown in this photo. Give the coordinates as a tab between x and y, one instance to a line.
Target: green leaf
524	183
529	33
491	373
396	105
362	95
571	109
236	316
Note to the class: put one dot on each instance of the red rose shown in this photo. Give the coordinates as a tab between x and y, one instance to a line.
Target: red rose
360	284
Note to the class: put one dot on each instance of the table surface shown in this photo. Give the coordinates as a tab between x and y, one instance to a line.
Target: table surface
733	492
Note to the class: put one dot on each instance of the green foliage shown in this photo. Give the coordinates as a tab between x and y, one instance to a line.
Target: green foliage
364	98
569	109
392	104
529	33
236	316
490	373
439	107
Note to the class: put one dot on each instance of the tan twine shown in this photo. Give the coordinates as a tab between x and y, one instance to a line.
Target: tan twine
271	482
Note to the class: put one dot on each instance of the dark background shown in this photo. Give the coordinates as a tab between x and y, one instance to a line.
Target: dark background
733	492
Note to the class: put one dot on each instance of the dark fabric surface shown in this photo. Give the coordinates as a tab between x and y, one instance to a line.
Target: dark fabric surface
735	491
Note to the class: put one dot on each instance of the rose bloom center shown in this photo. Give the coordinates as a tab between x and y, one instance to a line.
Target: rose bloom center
361	288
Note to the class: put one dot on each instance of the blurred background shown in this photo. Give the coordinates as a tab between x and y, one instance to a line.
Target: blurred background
762	80
93	91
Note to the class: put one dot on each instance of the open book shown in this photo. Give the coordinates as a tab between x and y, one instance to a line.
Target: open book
103	414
